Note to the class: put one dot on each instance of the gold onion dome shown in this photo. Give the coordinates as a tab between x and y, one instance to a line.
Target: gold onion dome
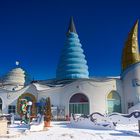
130	53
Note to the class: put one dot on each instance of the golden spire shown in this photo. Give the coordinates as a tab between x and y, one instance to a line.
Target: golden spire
131	50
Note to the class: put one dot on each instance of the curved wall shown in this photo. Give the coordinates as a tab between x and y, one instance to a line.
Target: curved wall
131	85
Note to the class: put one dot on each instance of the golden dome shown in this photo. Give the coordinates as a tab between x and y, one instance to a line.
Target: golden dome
130	53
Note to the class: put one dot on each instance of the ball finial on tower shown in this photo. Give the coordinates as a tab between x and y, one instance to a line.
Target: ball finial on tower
17	63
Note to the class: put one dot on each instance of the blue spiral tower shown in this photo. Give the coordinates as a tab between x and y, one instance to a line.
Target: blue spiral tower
72	63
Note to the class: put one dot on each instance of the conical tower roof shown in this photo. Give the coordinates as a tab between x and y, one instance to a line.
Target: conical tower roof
71	27
131	50
72	63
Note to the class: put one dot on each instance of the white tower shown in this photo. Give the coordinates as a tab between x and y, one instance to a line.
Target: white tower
15	79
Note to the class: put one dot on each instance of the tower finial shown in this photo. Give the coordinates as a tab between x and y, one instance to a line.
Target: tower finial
71	26
17	63
131	49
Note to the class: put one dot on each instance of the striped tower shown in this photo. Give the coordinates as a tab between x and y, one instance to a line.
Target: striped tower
72	63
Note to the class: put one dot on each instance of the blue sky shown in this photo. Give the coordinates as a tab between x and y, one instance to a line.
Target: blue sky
34	32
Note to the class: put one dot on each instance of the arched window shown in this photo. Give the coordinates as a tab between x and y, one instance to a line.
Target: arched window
0	105
114	102
79	104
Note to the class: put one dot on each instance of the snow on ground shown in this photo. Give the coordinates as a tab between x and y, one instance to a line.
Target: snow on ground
63	131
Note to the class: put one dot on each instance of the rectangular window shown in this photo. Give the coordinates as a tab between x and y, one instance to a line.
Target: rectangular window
11	109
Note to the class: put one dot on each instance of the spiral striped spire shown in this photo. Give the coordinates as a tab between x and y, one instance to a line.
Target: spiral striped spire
72	63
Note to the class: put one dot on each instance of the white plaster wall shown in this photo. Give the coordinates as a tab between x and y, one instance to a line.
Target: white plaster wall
53	93
119	89
11	97
95	90
3	96
131	93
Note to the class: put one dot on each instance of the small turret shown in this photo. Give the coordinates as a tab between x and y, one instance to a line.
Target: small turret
130	53
14	79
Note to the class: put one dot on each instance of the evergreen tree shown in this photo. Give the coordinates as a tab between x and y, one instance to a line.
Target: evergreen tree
48	110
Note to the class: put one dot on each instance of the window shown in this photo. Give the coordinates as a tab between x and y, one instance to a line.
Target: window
79	104
11	109
114	102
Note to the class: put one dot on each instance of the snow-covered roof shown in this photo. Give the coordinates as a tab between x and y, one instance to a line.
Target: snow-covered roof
41	87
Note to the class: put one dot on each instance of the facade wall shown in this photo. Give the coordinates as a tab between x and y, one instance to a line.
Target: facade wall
11	97
54	95
96	91
131	85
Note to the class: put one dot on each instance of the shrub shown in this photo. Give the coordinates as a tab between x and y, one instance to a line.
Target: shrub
48	110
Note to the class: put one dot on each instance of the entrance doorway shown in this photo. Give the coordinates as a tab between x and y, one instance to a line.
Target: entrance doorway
79	104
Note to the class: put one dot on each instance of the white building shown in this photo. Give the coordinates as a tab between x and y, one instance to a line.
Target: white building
73	91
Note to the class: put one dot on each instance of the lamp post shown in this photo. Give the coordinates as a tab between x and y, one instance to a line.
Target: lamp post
29	111
139	125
